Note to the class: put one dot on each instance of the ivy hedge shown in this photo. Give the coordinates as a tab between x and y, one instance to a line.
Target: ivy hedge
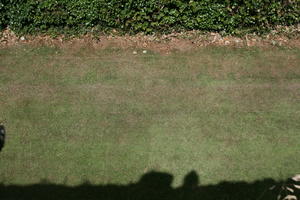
133	16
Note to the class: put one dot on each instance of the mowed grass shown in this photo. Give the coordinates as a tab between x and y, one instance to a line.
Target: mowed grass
107	116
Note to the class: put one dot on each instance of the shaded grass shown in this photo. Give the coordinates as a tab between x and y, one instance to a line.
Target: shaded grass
108	116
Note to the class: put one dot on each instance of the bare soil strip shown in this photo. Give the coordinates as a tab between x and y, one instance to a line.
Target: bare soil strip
185	41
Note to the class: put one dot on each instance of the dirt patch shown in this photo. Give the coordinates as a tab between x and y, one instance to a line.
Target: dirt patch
184	41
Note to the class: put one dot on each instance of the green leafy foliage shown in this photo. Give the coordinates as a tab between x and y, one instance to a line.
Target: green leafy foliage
3	13
148	16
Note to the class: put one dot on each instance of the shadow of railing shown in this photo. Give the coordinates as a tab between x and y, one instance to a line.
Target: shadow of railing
151	186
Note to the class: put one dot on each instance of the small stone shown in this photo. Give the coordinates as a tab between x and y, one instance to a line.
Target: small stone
290	197
227	42
134	52
145	51
273	42
296	177
22	38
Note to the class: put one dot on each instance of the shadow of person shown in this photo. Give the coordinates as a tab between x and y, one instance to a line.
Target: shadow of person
152	185
190	188
191	180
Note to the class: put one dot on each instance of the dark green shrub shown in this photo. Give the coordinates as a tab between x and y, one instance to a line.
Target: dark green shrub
3	13
77	16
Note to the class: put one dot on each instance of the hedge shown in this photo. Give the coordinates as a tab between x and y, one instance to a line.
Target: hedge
133	16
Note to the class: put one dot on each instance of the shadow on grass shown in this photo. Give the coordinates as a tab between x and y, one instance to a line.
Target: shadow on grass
151	186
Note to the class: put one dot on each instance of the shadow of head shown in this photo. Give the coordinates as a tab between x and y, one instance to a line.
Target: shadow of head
191	180
156	180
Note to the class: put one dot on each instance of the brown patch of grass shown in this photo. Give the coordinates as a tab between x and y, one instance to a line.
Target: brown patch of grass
16	92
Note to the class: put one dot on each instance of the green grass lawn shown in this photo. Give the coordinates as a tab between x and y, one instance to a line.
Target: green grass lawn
108	116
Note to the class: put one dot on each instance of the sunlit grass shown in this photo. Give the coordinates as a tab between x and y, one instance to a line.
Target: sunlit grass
108	116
